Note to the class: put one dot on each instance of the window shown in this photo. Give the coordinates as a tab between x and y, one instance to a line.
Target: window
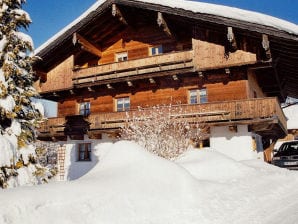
198	96
84	108
123	104
193	96
84	150
121	56
155	50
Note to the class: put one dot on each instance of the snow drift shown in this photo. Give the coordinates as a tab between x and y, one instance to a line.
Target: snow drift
130	185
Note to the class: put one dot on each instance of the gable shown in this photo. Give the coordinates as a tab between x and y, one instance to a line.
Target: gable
103	29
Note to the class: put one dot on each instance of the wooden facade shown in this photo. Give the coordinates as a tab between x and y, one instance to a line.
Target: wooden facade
257	113
154	58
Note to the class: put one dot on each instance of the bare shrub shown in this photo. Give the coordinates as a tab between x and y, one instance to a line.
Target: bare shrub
162	130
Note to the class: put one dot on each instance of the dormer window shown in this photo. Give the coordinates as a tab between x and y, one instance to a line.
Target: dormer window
155	50
122	56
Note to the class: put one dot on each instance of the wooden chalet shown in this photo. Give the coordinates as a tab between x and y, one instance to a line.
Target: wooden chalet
124	54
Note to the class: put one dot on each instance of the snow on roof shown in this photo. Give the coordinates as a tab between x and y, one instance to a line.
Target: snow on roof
80	18
197	7
229	12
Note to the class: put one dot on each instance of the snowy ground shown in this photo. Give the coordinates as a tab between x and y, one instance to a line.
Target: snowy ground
129	185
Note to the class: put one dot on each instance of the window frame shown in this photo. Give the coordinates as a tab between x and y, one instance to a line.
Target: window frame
122	101
86	110
86	149
158	49
197	96
121	55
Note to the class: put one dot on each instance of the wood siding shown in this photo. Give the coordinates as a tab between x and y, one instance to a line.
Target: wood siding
59	77
68	107
233	90
221	91
136	43
211	56
254	89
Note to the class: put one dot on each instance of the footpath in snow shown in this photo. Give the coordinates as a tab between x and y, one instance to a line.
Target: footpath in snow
130	185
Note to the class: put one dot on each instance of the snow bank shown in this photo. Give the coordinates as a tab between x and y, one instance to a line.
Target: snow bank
129	185
208	164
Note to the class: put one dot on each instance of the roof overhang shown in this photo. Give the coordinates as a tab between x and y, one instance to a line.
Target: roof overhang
283	44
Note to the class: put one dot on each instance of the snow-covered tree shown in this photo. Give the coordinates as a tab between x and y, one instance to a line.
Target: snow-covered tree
18	116
163	130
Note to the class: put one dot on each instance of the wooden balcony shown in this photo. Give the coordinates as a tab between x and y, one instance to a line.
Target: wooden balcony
263	115
130	70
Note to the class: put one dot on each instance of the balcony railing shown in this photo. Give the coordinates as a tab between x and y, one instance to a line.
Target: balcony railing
248	111
134	69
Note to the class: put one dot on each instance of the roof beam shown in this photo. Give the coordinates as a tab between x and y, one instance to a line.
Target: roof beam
231	43
86	45
109	86
175	78
281	90
129	83
117	13
152	81
266	46
163	24
42	76
90	89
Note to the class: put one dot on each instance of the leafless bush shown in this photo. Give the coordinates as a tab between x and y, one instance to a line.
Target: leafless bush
162	130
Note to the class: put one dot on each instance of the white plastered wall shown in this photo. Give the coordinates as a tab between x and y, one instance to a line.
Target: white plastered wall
238	144
73	168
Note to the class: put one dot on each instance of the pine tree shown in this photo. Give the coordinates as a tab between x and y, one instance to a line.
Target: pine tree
18	116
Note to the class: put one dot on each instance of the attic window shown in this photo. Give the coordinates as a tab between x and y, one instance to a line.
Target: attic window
121	57
155	50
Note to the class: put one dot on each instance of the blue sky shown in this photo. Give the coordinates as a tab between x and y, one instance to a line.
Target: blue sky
50	16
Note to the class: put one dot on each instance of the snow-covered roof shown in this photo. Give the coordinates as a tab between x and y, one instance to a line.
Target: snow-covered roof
229	12
196	7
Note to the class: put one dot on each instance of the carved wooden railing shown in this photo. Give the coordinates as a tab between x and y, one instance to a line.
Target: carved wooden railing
53	125
238	111
133	69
